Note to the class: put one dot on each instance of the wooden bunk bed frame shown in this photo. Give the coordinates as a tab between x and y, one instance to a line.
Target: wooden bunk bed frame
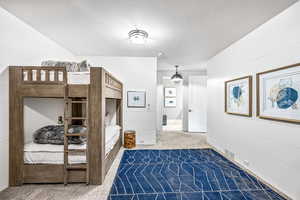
102	86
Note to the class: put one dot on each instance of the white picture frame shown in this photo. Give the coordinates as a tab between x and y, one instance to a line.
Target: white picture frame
170	102
170	92
136	99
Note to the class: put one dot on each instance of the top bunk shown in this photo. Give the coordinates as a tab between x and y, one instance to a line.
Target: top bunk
42	81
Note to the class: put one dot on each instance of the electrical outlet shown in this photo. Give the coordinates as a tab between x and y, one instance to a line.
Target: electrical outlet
229	154
148	107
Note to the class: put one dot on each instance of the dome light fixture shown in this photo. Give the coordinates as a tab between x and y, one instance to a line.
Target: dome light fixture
138	36
176	78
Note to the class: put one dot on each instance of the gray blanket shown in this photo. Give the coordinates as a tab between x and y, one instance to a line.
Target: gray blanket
70	66
54	134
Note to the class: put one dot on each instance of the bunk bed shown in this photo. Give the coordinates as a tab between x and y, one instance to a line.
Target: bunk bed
85	95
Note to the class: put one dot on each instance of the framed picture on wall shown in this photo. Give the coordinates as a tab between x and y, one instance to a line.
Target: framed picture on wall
238	96
136	99
170	92
278	93
170	102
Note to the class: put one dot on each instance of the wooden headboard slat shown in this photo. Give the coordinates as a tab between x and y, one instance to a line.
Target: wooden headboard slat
29	75
38	75
56	76
44	75
47	76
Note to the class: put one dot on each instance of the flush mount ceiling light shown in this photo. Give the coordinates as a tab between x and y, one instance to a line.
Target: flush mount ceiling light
176	78
138	36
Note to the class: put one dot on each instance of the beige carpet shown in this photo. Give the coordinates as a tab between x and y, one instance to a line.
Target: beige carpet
166	140
173	125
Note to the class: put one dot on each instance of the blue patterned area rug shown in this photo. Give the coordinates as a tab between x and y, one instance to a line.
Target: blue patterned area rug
191	174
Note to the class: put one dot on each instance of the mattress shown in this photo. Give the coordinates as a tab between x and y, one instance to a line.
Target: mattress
112	134
54	154
50	154
78	77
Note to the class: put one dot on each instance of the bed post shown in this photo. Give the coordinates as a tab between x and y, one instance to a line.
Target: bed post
96	133
120	115
16	135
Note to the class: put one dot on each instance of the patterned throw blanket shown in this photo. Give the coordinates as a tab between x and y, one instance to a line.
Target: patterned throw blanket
70	66
54	134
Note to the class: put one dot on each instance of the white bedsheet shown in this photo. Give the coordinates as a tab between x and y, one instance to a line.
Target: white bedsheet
78	77
112	134
111	131
34	147
54	154
51	158
50	154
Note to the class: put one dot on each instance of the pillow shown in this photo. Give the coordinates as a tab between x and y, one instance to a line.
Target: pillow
107	119
83	66
54	134
78	129
70	66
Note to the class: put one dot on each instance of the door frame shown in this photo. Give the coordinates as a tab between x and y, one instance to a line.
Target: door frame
204	78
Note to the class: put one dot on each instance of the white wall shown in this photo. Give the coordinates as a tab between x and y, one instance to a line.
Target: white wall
136	73
44	111
272	148
19	45
160	94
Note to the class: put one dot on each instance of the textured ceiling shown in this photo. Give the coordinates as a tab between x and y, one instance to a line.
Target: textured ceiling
187	32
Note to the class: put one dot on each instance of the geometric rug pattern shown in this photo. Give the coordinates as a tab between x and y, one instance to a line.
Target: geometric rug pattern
184	174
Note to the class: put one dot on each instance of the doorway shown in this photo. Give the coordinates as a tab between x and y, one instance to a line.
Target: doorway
188	114
172	105
197	103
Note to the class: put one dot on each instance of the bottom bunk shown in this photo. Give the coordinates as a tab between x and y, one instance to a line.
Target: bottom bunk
44	163
35	153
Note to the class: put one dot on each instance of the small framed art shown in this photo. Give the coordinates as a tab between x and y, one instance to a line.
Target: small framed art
170	102
136	99
170	92
238	96
278	93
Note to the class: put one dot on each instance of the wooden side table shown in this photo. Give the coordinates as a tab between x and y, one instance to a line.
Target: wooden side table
129	139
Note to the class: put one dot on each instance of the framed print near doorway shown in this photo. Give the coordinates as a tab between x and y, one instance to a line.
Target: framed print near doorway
136	99
170	92
170	102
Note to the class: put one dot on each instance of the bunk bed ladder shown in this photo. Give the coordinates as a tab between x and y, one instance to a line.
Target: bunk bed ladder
68	118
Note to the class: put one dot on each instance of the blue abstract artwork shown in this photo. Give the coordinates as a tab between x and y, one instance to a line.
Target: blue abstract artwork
238	95
237	92
189	174
286	97
278	94
283	94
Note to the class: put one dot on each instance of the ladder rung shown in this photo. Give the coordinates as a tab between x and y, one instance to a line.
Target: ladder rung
77	118
76	150
70	167
75	134
84	101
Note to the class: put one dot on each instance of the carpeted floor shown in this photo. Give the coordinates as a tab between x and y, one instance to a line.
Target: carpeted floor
191	174
166	140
